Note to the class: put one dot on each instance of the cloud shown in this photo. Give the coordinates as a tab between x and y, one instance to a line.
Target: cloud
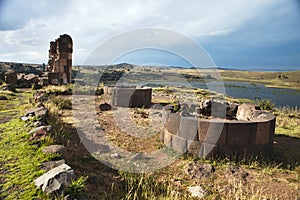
30	25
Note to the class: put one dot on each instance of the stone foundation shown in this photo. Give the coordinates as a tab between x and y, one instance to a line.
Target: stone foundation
217	137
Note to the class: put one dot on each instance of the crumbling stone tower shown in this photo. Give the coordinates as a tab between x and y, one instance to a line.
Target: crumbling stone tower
60	60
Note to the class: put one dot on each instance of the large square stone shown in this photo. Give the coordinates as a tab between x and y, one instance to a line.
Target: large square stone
212	132
179	144
188	128
172	123
241	133
167	139
193	147
263	133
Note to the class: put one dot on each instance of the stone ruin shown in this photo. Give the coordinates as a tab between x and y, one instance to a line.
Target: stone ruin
58	71
130	97
60	60
242	130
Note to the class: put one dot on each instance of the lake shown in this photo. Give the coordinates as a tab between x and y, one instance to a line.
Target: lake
280	96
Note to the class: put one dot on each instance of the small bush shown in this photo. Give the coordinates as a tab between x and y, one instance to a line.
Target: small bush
265	104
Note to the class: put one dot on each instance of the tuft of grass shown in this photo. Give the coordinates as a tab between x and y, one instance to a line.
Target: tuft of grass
62	103
77	187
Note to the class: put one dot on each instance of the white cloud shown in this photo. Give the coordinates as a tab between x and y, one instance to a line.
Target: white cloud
91	22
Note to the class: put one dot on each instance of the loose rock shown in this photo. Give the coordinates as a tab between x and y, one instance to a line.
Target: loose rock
56	180
60	149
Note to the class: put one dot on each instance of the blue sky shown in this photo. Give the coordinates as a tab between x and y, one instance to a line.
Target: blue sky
233	32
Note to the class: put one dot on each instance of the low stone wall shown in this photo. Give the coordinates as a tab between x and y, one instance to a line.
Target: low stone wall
217	137
129	96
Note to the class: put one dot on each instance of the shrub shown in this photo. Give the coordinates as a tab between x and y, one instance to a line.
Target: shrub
265	104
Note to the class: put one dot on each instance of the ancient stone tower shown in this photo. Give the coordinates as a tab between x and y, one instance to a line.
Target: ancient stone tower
60	60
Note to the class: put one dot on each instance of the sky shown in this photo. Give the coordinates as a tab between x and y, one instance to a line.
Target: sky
233	32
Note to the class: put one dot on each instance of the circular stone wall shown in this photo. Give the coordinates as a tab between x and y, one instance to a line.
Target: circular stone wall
217	137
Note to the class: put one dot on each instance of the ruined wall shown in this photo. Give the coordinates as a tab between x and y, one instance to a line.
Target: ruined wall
60	60
217	137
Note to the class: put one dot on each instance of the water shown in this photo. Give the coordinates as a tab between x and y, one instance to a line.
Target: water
262	68
280	96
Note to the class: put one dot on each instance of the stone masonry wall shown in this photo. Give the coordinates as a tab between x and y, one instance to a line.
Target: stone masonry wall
129	97
217	137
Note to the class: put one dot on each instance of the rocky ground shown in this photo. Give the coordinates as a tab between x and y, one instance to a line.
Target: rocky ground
276	178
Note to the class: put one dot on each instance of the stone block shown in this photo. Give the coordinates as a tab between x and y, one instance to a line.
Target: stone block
168	138
56	180
179	144
193	147
188	128
241	134
212	132
263	133
172	123
272	130
208	150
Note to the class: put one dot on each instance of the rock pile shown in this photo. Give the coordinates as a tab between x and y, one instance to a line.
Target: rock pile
59	175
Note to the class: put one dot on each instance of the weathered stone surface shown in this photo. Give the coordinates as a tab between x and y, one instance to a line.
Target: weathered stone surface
32	78
188	128
40	112
193	147
212	132
179	144
56	180
241	134
60	60
244	112
60	149
173	122
263	133
10	77
47	128
131	97
167	138
105	107
52	164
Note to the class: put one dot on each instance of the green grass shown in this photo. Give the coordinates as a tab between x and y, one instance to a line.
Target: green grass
20	161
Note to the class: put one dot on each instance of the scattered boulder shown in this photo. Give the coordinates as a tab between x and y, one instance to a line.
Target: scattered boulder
41	128
40	132
105	107
40	112
31	78
52	164
59	149
236	172
3	97
10	77
244	111
56	180
249	112
9	87
198	170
